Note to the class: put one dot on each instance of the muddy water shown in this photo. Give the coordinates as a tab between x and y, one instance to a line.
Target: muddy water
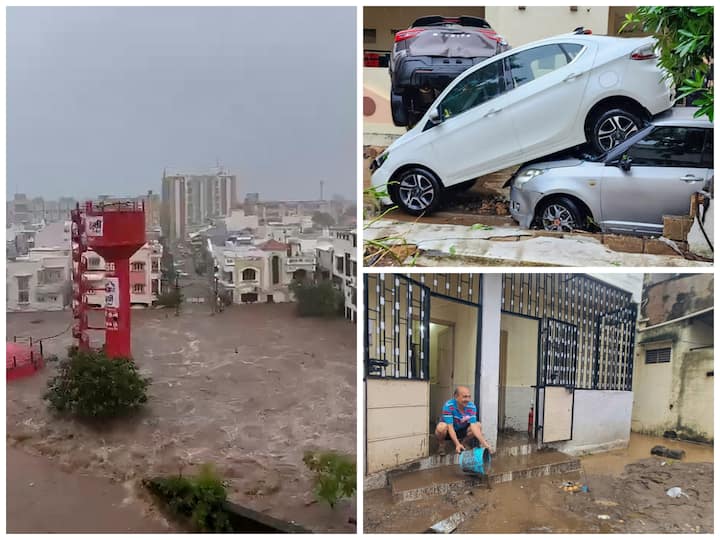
626	485
614	462
249	390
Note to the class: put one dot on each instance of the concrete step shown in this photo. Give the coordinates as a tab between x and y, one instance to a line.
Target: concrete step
415	485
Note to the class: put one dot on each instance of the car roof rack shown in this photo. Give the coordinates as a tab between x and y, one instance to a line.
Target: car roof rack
439	20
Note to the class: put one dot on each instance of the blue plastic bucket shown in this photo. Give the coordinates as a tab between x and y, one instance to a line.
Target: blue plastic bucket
475	461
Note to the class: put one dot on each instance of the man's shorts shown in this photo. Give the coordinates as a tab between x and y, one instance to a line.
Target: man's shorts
461	433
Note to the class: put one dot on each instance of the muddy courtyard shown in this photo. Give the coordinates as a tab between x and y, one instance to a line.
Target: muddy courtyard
248	390
627	494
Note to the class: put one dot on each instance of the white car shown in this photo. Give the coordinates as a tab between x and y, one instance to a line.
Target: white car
523	104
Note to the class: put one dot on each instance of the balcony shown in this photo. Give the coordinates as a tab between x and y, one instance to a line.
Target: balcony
248	287
50	288
300	263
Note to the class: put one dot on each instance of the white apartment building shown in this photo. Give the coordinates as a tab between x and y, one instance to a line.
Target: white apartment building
337	260
145	282
38	281
261	272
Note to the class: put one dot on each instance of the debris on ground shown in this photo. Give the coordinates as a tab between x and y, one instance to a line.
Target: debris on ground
447	525
634	501
676	492
664	451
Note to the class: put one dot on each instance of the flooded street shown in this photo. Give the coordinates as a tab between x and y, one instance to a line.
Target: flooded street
627	494
41	498
249	390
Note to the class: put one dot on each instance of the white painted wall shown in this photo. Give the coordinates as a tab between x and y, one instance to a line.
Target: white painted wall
490	356
397	428
601	421
521	369
519	27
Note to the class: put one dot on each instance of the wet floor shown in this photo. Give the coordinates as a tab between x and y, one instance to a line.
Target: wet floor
249	390
614	462
626	493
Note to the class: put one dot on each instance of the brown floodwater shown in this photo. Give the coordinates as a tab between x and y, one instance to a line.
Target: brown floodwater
614	462
248	390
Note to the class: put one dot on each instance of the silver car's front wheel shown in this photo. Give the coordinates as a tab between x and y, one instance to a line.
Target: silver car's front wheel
418	191
561	215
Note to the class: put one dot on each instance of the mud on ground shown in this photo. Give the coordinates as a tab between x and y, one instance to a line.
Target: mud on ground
249	390
634	502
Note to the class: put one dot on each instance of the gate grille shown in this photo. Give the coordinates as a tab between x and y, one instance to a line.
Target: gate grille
582	300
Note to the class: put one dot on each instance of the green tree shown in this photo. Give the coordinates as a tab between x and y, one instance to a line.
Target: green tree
320	299
323	219
685	43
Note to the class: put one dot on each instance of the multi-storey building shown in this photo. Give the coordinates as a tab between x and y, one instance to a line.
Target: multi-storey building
337	260
38	281
191	201
145	276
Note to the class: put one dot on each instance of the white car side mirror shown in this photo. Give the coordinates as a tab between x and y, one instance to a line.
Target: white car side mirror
435	117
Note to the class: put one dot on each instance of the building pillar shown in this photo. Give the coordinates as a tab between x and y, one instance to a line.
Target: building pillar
488	377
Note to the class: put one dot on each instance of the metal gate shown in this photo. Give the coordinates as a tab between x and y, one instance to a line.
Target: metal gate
614	348
397	327
558	358
557	379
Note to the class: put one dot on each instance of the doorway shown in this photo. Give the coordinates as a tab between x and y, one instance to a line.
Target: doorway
518	371
453	352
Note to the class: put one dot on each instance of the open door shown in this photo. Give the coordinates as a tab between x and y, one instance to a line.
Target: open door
557	374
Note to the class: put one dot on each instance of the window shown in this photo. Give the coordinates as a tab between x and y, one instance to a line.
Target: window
155	266
708	150
669	147
23	297
249	274
275	270
347	264
369	35
139	288
658	356
50	275
138	266
480	86
339	264
155	284
93	262
526	66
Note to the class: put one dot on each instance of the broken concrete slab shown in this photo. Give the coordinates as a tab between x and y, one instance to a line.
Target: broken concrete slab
455	245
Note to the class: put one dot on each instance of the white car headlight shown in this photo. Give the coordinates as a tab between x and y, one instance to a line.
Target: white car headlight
526	176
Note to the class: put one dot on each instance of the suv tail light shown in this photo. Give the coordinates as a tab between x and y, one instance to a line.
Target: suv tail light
646	52
402	35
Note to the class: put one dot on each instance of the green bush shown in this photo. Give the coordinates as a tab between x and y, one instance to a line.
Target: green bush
686	44
320	299
335	475
90	385
199	499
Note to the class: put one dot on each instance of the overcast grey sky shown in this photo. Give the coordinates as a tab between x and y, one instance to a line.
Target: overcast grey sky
100	100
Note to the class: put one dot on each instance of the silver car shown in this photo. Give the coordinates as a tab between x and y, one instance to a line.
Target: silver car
628	189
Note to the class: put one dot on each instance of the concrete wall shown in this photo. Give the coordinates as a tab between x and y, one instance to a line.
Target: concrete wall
601	421
677	296
490	356
678	395
396	422
522	26
521	369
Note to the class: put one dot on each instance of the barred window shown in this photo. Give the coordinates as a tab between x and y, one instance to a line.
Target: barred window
658	356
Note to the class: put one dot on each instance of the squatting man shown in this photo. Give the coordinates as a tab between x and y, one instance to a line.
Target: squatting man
459	422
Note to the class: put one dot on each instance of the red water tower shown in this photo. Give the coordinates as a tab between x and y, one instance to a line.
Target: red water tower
115	231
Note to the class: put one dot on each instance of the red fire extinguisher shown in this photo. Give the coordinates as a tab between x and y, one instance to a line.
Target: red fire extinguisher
531	421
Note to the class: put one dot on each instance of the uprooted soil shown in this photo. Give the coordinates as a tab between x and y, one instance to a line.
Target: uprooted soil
632	502
248	390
